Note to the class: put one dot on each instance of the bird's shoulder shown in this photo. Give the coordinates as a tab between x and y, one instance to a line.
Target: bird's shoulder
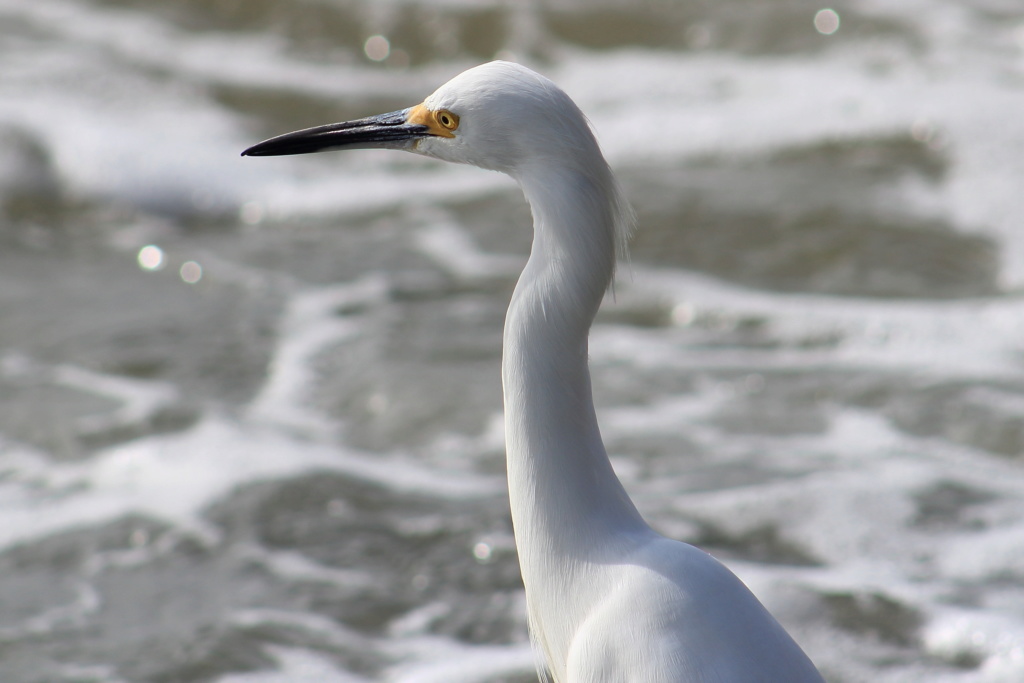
681	577
697	622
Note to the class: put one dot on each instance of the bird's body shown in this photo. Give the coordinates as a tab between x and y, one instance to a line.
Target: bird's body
609	600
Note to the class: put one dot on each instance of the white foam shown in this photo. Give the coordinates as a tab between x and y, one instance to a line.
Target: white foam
669	107
846	496
454	250
310	324
174	477
949	337
997	640
296	567
296	665
442	660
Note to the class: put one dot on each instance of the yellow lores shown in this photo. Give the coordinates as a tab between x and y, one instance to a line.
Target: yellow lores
441	122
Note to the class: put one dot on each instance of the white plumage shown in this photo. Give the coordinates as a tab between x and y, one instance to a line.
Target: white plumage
609	600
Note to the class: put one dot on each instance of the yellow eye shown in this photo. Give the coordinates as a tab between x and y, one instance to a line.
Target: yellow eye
447	119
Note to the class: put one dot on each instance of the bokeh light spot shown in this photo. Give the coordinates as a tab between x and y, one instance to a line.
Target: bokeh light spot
684	314
377	48
826	21
151	257
482	552
191	272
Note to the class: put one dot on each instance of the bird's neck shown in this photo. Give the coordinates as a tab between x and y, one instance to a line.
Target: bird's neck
567	502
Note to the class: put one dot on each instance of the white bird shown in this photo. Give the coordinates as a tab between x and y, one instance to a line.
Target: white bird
608	599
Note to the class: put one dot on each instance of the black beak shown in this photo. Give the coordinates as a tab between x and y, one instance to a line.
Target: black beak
389	131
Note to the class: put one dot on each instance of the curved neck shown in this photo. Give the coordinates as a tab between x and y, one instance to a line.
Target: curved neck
567	503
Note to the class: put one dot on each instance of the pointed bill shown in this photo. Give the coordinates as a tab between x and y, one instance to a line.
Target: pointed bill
393	130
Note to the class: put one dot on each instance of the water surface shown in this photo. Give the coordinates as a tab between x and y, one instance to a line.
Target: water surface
250	410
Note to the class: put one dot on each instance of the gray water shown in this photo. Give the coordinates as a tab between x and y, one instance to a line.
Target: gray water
250	416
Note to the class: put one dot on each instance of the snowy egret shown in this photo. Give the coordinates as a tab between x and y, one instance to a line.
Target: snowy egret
608	599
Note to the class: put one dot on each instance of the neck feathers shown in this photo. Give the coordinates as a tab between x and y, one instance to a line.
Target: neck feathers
569	510
556	458
582	224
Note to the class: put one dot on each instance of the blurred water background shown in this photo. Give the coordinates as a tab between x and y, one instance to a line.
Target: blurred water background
250	408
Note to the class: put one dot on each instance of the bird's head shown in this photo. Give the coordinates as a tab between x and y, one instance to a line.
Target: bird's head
500	116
